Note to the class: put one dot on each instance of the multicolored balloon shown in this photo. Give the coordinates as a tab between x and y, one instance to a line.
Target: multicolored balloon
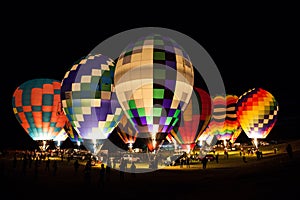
36	104
89	100
72	134
154	80
257	111
127	132
193	120
231	124
216	123
236	134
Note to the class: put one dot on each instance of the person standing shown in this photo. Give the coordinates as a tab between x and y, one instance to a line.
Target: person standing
107	171
204	162
217	158
101	176
132	169
87	172
289	150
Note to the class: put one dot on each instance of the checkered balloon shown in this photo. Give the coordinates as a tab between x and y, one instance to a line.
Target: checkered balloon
257	112
154	80
36	105
89	99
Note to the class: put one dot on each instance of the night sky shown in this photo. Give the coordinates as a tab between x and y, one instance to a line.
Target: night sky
251	48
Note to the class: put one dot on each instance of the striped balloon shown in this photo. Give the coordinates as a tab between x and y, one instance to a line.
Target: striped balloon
231	124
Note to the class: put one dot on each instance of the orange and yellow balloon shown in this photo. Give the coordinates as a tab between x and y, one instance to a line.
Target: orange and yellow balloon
257	112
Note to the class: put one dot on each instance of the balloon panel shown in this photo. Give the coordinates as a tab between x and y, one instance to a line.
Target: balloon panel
89	99
257	112
154	79
37	106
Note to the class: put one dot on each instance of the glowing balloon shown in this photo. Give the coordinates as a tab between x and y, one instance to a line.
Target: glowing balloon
72	134
154	81
236	134
127	132
61	136
257	112
193	120
89	100
231	124
36	104
208	138
218	116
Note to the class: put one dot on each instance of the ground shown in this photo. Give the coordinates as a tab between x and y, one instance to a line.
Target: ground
273	176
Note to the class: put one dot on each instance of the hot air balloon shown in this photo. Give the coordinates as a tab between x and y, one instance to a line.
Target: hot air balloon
61	136
218	116
236	134
89	100
257	111
209	136
36	105
193	120
231	124
154	81
127	132
72	134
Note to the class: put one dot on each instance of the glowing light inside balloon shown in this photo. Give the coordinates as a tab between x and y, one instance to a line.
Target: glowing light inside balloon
257	112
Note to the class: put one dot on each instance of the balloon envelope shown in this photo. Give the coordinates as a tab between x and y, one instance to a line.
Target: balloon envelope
193	120
37	106
154	81
257	111
217	120
231	124
89	99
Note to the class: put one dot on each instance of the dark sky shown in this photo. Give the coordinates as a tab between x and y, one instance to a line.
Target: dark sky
255	47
